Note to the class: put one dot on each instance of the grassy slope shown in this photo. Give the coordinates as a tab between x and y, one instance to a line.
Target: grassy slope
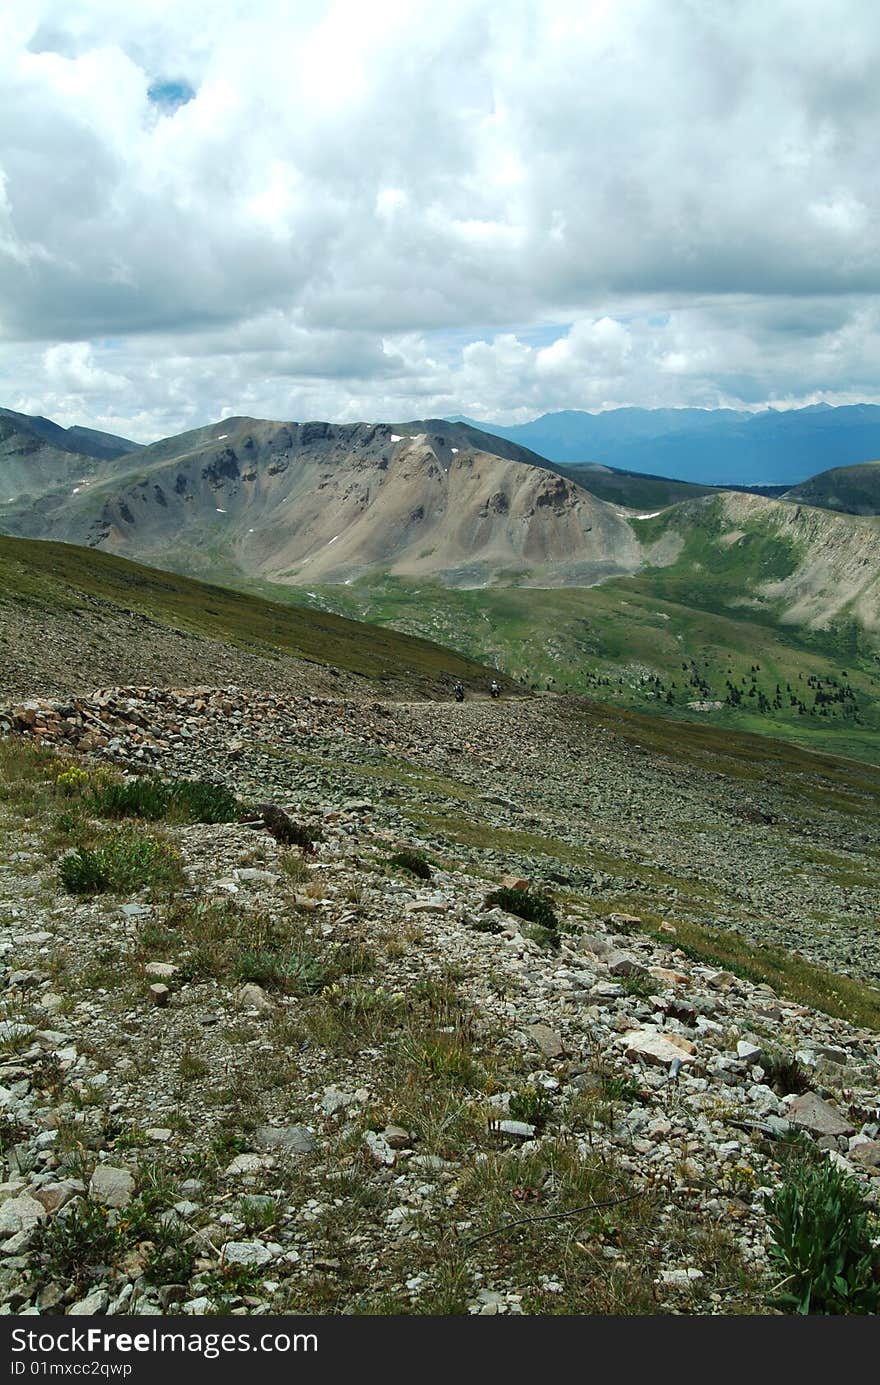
631	488
61	575
850	489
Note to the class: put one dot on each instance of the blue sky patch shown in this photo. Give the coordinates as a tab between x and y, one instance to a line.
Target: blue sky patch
169	95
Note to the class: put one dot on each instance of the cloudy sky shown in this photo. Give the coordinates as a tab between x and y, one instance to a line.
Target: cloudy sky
388	210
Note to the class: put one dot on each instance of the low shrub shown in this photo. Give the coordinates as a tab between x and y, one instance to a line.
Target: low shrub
158	800
414	862
784	1074
639	986
532	1105
535	908
822	1243
75	1247
122	862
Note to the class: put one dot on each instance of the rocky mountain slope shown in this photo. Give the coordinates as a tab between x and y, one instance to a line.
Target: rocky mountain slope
300	503
290	1081
39	459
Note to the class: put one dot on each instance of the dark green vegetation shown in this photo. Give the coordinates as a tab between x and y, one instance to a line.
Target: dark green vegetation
121	862
631	488
37	576
854	490
525	904
155	800
823	1242
79	1247
414	862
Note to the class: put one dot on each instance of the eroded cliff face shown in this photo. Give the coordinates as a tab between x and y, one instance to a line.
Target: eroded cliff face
838	561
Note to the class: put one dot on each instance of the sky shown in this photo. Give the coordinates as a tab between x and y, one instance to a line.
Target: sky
397	210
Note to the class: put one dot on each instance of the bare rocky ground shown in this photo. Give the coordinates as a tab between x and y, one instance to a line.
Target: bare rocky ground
313	1082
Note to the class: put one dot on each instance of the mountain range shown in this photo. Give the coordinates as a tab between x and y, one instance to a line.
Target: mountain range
721	447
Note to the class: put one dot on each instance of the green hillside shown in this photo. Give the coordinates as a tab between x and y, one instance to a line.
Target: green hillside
634	643
853	490
631	488
58	577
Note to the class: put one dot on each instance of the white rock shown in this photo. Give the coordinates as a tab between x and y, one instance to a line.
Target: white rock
20	1214
95	1302
660	1049
252	1254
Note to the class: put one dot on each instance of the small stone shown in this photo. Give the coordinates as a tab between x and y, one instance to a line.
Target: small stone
196	1306
433	904
335	1100
515	882
380	1150
112	1187
289	1139
247	1163
749	1052
159	994
161	971
519	1130
547	1040
55	1195
396	1137
621	964
20	1214
95	1302
253	997
660	1049
432	1162
833	1054
811	1113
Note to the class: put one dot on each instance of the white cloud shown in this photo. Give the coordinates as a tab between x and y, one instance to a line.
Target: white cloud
488	207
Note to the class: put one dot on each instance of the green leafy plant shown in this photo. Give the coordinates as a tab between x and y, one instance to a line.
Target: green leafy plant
822	1243
123	861
414	862
783	1073
154	800
76	1246
530	1104
535	908
636	985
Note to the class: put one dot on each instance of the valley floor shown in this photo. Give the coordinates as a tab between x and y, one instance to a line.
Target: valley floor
356	1090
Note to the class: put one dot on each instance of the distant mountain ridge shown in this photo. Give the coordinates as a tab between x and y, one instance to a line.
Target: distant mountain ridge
83	442
718	447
